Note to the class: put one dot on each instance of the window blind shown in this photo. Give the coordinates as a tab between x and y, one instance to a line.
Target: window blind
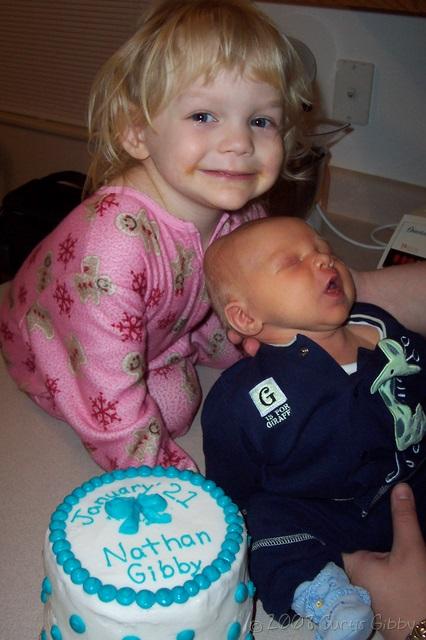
50	51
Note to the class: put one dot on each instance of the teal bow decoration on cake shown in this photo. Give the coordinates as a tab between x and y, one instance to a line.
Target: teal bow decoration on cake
130	510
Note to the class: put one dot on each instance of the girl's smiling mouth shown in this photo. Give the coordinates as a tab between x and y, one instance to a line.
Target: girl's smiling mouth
229	175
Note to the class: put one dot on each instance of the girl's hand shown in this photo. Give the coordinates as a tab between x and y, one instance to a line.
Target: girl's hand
249	345
396	580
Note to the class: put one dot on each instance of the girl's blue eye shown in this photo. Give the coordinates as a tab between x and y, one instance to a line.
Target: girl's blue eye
262	123
202	117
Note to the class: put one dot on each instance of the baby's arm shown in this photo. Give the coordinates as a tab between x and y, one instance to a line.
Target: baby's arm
228	460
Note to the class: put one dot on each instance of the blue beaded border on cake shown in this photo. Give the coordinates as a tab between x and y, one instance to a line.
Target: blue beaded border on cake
61	547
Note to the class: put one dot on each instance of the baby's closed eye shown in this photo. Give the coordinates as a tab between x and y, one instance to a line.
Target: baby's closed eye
287	261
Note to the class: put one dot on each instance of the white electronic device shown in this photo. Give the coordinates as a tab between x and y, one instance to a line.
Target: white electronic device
408	242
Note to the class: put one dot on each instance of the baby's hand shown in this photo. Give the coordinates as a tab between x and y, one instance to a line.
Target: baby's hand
250	345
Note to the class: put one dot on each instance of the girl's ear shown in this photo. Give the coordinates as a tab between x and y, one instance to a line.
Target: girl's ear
240	320
133	141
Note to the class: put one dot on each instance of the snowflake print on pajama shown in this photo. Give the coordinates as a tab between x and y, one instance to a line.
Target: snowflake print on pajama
105	321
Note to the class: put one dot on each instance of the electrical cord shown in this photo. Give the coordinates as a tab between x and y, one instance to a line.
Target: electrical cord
379	246
377	229
338	126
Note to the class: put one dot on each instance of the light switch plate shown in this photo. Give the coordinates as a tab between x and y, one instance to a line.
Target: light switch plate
352	91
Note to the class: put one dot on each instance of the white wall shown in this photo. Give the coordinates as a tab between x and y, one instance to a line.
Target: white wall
393	143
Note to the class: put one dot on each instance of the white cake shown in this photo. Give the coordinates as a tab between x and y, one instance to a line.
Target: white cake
146	554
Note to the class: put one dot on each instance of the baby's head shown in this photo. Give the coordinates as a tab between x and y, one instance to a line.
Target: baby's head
179	42
276	277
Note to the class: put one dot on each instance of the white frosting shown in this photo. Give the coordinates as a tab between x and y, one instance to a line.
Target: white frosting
156	556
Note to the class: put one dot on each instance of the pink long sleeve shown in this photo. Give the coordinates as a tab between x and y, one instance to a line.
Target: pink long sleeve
101	326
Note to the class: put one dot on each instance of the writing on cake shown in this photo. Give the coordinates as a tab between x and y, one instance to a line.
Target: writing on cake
175	491
152	551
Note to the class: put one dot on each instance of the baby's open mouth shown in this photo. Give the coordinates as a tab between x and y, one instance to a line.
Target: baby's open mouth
333	285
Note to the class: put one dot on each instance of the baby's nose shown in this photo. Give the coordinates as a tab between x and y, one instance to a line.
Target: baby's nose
324	261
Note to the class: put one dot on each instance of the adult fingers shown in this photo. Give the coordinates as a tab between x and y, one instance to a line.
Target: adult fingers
406	530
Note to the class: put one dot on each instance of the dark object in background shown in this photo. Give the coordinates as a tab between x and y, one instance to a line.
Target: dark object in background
297	197
30	212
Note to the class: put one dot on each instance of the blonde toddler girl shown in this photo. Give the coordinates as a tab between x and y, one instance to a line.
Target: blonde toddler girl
191	121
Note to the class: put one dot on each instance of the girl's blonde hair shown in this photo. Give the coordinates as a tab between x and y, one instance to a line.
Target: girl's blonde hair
179	42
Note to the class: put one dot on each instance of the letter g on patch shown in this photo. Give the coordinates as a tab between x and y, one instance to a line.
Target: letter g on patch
267	396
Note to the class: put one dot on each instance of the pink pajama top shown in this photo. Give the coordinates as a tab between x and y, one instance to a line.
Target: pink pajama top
105	321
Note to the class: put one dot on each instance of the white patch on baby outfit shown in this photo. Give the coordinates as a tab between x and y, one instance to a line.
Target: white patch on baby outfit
267	396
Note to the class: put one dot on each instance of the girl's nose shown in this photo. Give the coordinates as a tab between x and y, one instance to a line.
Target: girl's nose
236	138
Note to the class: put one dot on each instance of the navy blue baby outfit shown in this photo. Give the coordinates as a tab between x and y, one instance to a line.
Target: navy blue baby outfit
309	453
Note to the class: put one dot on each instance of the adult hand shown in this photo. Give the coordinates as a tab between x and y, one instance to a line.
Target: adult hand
396	580
250	345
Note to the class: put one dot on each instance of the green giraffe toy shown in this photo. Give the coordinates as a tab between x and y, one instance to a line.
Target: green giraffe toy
409	428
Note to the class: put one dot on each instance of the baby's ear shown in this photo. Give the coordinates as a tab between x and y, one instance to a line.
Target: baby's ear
241	320
133	141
